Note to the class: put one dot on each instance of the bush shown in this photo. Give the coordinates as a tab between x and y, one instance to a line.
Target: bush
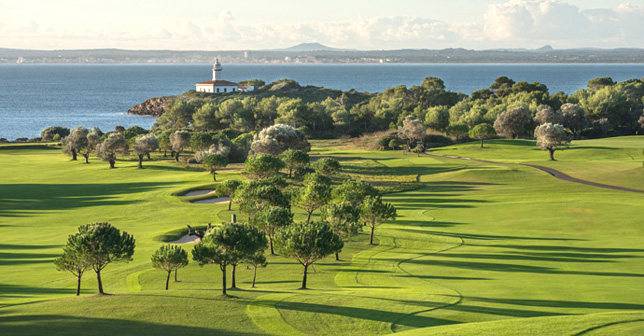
48	133
4	140
383	142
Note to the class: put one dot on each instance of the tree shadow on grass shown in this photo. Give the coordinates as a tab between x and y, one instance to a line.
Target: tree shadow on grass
562	304
17	291
74	325
482	236
10	258
25	199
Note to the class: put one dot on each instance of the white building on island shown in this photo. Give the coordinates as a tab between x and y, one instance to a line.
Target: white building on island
218	85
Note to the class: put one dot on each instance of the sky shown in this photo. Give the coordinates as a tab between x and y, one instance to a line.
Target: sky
352	24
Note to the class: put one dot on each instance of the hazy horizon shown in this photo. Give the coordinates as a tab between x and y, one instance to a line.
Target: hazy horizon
361	24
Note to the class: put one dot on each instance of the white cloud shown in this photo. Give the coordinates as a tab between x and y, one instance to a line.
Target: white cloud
514	23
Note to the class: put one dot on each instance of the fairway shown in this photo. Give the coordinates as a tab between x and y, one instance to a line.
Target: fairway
477	248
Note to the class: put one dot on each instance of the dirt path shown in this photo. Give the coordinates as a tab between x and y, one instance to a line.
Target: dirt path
553	172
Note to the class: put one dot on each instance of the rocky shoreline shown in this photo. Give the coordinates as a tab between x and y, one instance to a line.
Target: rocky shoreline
152	107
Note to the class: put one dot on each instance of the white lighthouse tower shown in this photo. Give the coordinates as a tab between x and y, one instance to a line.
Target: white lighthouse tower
216	70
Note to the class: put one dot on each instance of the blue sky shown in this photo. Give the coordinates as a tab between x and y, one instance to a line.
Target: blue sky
361	24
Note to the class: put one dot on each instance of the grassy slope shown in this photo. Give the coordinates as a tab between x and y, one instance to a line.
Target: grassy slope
473	243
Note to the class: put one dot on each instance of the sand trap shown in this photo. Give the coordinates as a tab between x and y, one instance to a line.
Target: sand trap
186	240
218	200
199	192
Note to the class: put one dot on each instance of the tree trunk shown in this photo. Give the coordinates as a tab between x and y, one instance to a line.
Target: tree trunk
214	176
165	153
230	202
148	154
290	172
371	238
78	285
308	218
270	242
304	277
175	275
481	143
86	156
167	279
176	156
112	162
140	161
100	283
223	279
233	283
337	256
551	152
74	155
254	276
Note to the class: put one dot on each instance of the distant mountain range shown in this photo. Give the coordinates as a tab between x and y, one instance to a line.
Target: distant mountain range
319	53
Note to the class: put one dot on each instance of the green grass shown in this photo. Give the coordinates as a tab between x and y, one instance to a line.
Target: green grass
477	249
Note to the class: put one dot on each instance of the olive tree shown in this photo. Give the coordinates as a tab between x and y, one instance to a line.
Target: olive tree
574	118
375	212
411	131
228	188
93	140
179	141
49	133
101	245
144	145
546	114
169	258
513	122
344	219
551	137
482	132
294	159
73	260
263	166
114	145
278	138
212	162
307	243
228	244
75	142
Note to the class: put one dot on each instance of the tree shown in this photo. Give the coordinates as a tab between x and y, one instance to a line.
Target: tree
278	138
482	132
513	122
101	245
114	145
293	112
169	258
179	141
177	115
73	260
227	245
144	145
344	219
271	219
437	118
546	114
353	192
228	188
411	131
48	133
204	118
213	162
327	166
574	118
551	137
256	260
293	159
375	212
459	131
313	196
263	166
253	196
307	243
134	132
75	141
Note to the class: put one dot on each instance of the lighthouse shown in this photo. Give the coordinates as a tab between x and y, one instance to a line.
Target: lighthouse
216	70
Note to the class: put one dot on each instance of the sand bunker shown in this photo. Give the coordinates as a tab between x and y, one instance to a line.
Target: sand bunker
186	240
199	192
218	200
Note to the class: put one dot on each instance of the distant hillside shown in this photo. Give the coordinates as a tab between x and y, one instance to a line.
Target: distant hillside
311	47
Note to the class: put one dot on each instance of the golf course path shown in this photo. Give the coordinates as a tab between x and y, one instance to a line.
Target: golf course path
553	172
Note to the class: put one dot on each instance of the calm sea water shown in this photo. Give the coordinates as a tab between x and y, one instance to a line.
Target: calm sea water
33	97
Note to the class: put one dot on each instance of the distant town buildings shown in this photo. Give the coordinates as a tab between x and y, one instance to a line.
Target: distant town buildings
218	85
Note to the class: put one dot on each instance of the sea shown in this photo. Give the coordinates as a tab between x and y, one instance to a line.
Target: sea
33	96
